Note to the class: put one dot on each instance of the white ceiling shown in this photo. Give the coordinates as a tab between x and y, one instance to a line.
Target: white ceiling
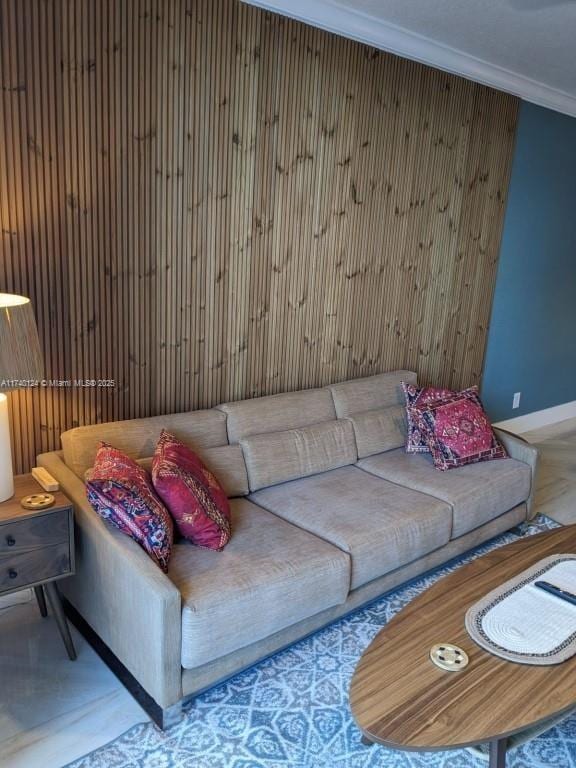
525	47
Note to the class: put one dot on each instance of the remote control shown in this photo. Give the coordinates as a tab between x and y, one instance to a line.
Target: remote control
45	479
552	589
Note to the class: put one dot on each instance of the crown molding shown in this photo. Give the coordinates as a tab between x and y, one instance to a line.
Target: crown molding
389	37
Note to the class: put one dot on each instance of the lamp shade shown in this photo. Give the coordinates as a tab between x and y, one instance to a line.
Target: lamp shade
20	354
20	364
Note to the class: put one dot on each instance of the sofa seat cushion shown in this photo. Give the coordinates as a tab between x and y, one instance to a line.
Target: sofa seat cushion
477	493
270	575
381	525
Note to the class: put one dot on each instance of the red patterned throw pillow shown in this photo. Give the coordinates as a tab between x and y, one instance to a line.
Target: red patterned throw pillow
458	431
196	500
417	397
121	493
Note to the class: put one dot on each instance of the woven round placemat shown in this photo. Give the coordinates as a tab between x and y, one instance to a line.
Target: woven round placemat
521	623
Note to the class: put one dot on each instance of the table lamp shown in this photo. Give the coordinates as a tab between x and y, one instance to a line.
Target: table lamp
20	362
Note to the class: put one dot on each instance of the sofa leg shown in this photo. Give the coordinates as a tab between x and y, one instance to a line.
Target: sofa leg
170	716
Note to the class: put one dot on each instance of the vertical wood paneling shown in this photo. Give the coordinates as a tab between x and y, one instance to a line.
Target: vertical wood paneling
207	202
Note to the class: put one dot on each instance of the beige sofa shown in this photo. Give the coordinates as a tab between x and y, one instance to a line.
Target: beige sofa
328	512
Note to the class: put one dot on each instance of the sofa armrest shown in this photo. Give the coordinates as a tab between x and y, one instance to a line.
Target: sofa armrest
520	449
123	595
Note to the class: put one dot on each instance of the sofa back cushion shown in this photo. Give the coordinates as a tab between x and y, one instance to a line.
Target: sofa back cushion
137	438
375	406
382	429
277	413
370	393
225	462
277	457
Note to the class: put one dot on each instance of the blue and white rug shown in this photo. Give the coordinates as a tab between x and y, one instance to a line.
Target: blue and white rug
292	710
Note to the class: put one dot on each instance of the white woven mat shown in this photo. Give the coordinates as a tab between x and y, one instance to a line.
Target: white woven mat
522	623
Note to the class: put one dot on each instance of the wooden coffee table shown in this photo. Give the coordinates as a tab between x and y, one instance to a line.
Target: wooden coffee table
401	699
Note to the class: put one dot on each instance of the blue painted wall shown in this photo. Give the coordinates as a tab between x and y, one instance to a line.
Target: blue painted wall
532	338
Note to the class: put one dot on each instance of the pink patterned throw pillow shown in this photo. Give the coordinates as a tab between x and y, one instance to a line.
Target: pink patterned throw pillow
416	397
458	431
121	493
195	498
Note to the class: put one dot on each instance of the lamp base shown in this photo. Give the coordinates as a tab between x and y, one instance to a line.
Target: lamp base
6	472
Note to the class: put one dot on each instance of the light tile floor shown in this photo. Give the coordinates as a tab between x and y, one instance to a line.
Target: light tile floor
53	711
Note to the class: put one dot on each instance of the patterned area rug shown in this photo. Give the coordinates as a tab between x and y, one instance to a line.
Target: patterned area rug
292	709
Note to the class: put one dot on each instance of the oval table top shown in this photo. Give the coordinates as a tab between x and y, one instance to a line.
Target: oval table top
401	699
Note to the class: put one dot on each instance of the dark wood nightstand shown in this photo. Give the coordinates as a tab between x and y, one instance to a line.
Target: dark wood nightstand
37	549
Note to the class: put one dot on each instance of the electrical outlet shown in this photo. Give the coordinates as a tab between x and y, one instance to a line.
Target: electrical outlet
516	400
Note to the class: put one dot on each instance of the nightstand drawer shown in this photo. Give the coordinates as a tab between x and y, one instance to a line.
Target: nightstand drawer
20	570
35	532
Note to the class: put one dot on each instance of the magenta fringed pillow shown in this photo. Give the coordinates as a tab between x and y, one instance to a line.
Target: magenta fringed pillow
417	397
458	431
195	498
121	492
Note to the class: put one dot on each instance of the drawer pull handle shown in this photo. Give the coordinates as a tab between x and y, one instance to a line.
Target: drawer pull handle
12	573
10	540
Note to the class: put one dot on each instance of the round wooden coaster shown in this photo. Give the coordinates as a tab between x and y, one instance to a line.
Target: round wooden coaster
37	501
449	657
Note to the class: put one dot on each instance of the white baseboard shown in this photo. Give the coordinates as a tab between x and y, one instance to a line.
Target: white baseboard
539	419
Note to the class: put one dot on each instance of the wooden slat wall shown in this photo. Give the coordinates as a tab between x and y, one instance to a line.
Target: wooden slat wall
207	202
